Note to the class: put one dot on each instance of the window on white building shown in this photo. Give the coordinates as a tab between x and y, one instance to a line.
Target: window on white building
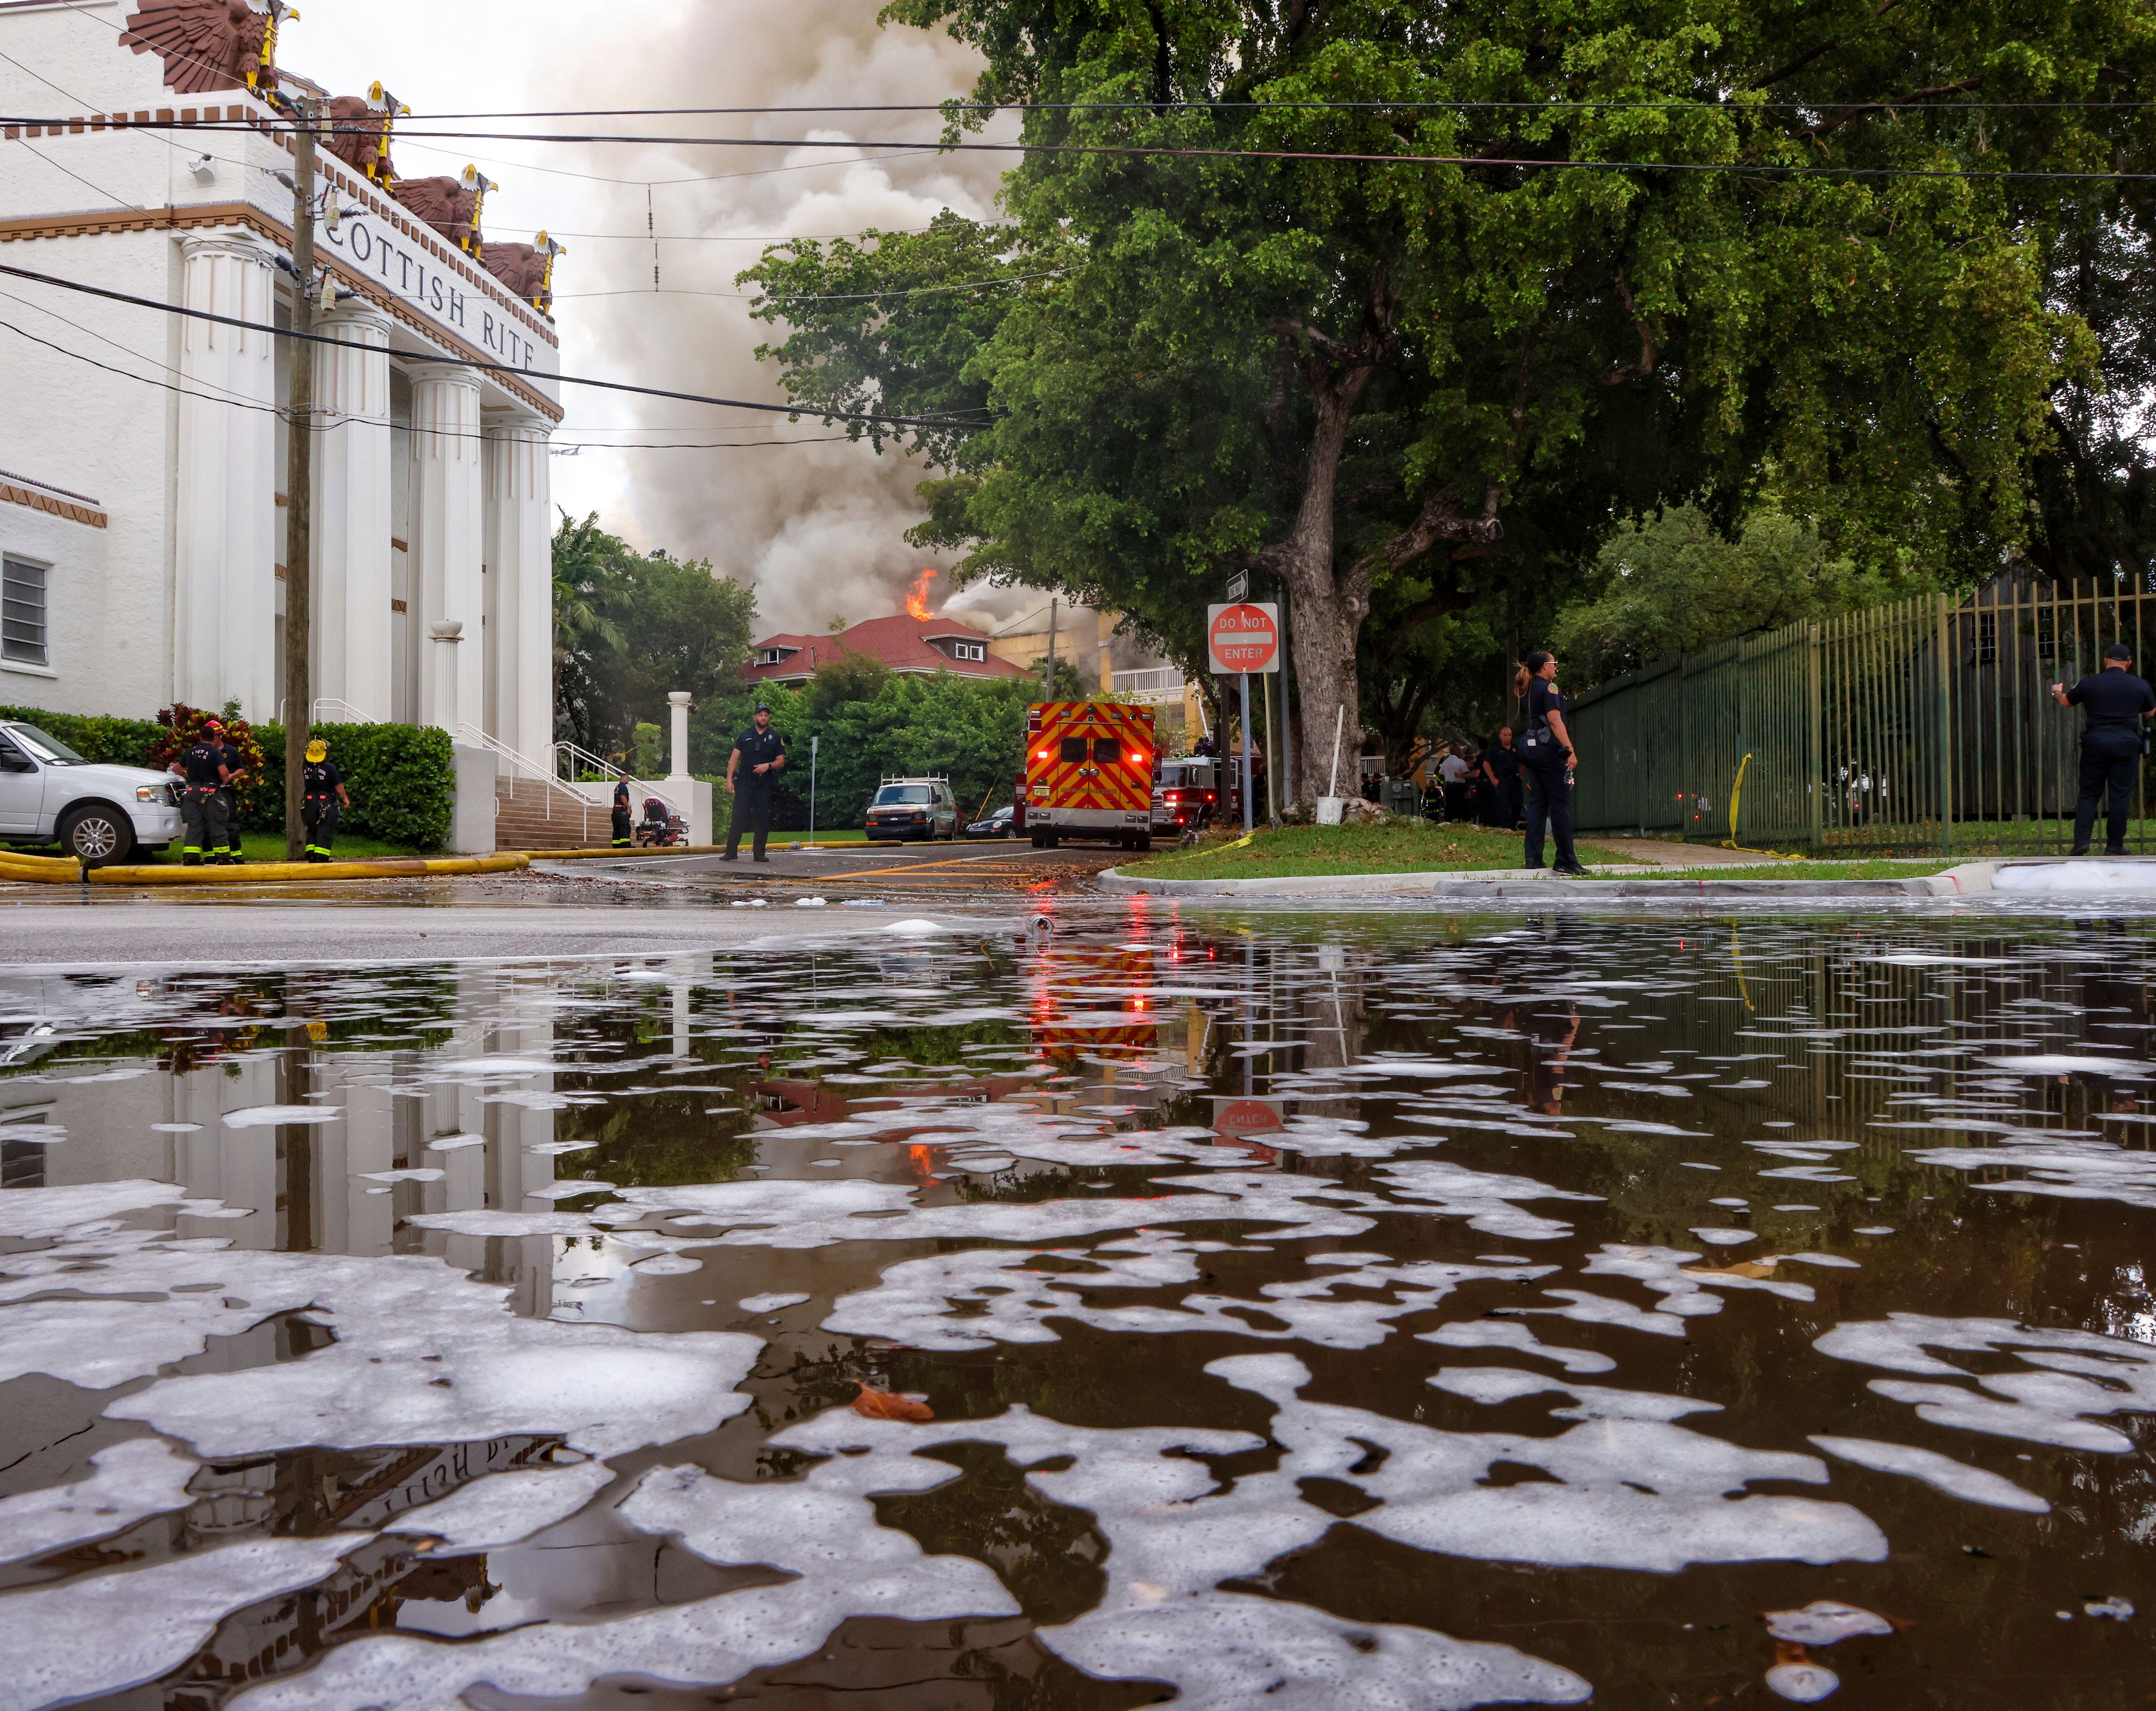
971	650
22	612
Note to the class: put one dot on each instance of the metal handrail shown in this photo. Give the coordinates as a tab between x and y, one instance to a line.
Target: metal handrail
523	766
579	756
327	703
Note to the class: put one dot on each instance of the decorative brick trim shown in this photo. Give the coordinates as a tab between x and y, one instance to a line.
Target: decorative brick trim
51	503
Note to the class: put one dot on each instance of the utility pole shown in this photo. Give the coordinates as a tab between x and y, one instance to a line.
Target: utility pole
299	488
1048	680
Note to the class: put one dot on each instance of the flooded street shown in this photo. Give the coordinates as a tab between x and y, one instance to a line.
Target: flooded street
1100	1308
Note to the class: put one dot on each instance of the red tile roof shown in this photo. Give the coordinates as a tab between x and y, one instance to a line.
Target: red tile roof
901	642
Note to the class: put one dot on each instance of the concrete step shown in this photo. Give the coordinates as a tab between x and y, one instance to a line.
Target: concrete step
537	817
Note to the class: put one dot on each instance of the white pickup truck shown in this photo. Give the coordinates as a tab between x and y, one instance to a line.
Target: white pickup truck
98	814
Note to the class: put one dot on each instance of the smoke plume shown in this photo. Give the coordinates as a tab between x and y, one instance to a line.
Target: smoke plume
817	526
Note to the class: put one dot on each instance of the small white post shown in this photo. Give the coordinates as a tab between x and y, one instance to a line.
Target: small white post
447	634
1339	724
679	699
814	743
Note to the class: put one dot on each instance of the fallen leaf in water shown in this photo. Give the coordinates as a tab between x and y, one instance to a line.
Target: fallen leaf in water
1742	1269
888	1405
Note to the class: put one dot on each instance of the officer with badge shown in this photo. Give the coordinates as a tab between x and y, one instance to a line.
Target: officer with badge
324	800
759	756
202	801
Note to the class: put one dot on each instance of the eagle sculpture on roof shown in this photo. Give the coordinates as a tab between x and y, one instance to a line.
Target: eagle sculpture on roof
527	270
359	132
451	206
210	44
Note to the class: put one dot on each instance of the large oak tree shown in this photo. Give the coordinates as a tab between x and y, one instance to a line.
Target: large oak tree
1370	372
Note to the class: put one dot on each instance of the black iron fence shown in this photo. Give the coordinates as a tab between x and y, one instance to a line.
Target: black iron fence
1925	726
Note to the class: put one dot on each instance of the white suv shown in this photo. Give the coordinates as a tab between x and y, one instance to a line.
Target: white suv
98	814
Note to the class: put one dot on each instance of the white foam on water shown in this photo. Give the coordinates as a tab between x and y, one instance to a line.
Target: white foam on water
2066	1170
141	1477
104	1632
914	928
35	1213
1174	1536
421	1173
424	1355
1633	1489
177	1128
772	1303
1722	1237
821	1528
497	1066
2069	1377
1825	1622
277	1116
1803	1683
973	1298
2054	1063
1941	1473
665	1265
1484	1199
1511	1335
506	1509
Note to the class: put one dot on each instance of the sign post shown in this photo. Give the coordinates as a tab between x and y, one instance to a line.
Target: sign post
1243	637
814	743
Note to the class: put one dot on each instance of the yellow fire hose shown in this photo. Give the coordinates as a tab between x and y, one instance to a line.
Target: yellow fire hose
1736	795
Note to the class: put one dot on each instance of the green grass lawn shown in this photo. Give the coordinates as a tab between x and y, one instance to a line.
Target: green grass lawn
269	847
1299	852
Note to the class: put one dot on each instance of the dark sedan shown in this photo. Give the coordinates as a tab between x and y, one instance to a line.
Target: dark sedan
997	825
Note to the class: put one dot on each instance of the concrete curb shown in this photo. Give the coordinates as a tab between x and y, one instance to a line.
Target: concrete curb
288	872
1516	882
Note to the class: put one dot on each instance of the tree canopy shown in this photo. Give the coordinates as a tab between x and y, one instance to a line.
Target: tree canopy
1485	278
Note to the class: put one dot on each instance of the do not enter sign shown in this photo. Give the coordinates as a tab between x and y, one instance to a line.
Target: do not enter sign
1243	637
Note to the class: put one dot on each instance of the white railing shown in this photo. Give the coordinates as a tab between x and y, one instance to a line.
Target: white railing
1161	682
329	709
531	773
574	758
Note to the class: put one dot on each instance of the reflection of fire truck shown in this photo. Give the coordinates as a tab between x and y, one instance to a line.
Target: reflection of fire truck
1093	1001
1089	773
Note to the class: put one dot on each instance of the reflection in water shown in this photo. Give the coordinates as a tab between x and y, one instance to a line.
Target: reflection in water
1428	1311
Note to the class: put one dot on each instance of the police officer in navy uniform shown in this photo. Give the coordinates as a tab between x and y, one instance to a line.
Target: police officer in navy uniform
235	764
202	801
324	799
624	827
2115	702
759	756
1548	760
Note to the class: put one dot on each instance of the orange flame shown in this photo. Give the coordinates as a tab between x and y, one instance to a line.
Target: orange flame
916	597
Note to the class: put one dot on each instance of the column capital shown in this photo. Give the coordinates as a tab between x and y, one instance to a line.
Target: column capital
354	321
239	242
519	425
434	375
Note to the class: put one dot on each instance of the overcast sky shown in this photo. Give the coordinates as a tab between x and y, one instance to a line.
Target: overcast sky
817	526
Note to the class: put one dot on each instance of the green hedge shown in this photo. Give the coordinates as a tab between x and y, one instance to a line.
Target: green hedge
402	778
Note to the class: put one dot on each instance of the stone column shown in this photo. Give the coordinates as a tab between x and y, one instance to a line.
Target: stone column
353	513
520	559
678	700
226	541
448	529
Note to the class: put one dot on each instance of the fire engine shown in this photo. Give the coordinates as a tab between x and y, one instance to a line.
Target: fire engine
1088	768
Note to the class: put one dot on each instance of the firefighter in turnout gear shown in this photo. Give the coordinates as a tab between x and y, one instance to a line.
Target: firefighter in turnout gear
202	801
235	764
326	801
624	825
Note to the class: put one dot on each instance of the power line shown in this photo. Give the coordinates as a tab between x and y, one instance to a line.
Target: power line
1166	151
502	368
1702	103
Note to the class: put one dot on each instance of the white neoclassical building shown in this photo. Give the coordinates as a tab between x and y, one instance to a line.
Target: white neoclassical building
142	455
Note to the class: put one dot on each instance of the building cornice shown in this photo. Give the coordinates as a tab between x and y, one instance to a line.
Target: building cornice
52	501
350	184
203	216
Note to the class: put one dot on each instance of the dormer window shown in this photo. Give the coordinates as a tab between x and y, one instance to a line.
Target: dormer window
970	650
773	656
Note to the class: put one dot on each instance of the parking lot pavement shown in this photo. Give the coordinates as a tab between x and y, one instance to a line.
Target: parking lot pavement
994	865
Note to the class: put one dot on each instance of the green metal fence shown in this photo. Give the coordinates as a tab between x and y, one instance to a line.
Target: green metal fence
1922	727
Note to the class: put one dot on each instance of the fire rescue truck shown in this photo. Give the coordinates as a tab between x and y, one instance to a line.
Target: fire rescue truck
1088	767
